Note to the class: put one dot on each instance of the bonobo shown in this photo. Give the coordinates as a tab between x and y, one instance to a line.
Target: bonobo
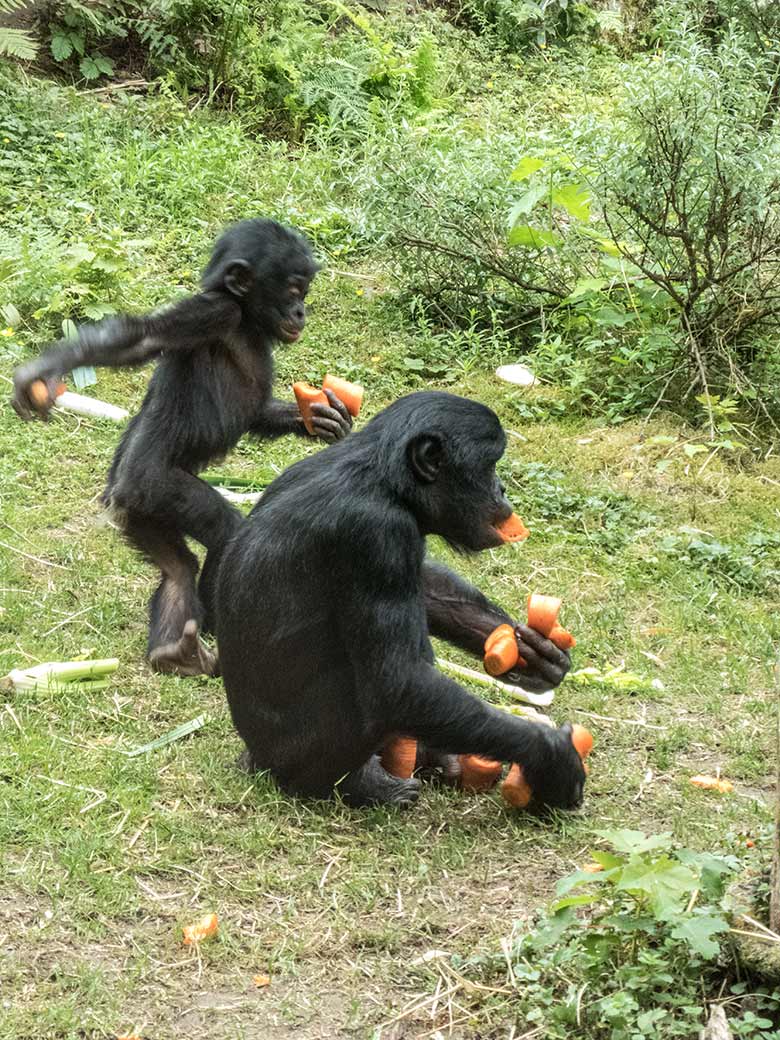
212	384
323	625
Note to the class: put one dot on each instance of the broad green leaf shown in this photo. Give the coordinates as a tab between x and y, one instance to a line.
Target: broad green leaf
665	883
691	450
583	900
636	841
415	364
89	69
607	315
11	315
579	877
525	168
575	199
531	238
607	860
585	286
61	47
77	40
713	870
698	931
105	65
606	245
526	202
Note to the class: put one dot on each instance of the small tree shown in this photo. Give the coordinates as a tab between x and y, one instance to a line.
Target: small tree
688	175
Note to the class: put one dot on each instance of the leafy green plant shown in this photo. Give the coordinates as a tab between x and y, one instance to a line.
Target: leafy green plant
642	961
16	43
522	24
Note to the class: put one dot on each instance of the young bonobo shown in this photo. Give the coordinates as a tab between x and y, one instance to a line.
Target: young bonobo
212	384
323	626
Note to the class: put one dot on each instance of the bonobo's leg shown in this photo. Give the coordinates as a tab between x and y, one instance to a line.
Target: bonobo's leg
438	765
372	785
174	610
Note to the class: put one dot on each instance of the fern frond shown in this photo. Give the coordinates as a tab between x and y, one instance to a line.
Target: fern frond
9	6
16	43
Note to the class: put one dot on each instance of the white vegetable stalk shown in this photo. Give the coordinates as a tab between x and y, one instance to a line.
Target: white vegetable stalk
53	675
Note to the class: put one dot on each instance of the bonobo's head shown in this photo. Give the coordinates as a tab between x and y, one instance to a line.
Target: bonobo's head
446	449
268	268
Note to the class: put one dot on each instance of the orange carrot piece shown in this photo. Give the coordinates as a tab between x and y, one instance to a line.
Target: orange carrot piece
261	981
205	928
307	395
563	640
502	655
512	529
514	790
712	783
498	633
399	757
543	612
39	392
479	774
350	394
582	739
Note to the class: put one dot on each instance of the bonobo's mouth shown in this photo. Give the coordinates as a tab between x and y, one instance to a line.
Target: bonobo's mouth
289	332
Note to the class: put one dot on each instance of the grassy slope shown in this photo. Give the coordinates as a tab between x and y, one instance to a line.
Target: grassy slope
333	905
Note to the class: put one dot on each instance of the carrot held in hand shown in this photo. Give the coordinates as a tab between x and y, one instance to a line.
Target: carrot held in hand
543	613
40	394
307	395
516	790
501	651
350	394
477	773
399	757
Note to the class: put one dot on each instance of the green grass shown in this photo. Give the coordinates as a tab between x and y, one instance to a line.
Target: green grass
104	857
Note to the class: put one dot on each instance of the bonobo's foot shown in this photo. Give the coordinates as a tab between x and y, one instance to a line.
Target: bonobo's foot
371	785
187	656
438	765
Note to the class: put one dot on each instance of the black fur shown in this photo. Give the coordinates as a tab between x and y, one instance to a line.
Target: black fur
212	384
322	625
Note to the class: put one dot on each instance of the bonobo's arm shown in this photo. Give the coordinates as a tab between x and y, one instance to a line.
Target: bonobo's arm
459	613
277	418
126	340
383	626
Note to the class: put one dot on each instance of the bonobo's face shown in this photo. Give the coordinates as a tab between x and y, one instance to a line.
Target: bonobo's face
461	496
288	312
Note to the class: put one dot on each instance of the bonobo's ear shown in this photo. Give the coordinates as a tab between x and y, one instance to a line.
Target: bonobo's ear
238	278
425	454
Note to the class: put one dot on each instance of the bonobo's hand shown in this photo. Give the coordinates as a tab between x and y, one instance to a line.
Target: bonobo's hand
546	665
26	403
555	772
330	423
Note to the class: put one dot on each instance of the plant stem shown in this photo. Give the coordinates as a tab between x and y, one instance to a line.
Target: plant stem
774	877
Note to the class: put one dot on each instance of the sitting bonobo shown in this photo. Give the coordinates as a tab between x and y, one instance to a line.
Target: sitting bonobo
323	624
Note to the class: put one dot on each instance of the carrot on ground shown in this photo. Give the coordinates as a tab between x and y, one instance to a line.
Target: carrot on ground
712	783
205	928
479	774
350	394
512	529
307	395
399	757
